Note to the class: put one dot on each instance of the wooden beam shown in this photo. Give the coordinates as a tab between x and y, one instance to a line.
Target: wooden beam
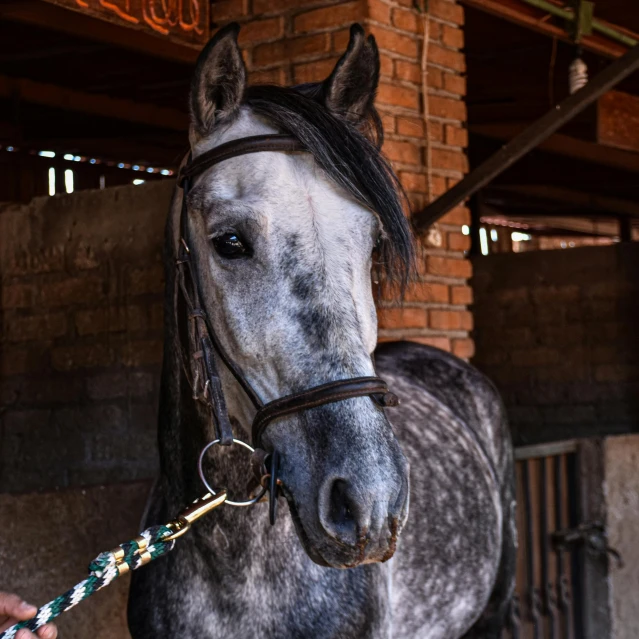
529	139
492	214
625	229
96	104
134	150
543	167
184	23
567	146
49	16
579	199
538	20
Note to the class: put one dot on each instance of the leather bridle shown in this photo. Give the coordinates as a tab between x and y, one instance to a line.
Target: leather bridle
204	378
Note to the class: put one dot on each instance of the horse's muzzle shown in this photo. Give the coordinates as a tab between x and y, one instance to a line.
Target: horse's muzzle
362	522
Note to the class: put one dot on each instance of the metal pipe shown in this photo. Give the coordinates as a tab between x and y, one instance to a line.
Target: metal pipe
597	25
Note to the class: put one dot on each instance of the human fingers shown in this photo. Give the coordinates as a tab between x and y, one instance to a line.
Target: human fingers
48	631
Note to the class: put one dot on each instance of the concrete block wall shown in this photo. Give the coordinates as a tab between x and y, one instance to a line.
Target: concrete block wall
621	489
81	310
295	41
556	331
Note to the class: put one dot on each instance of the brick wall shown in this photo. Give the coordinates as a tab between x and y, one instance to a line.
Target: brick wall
81	305
293	41
81	345
557	332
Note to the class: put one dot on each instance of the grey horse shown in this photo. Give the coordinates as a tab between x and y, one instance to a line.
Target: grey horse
284	244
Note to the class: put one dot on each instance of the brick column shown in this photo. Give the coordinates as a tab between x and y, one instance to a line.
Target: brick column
293	41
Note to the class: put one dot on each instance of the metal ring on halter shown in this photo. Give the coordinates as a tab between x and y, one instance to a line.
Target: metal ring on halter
200	470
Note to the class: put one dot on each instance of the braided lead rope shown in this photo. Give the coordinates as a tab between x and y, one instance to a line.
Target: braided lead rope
105	568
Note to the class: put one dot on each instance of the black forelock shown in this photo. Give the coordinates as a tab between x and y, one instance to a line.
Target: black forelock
350	157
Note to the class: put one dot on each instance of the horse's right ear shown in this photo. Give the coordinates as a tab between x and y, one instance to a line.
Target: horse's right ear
351	87
218	83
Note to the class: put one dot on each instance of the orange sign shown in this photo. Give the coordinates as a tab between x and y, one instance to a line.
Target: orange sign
185	21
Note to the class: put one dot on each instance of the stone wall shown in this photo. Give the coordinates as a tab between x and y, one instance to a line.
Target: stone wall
557	333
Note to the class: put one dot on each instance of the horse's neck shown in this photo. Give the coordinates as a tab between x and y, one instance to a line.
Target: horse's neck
228	532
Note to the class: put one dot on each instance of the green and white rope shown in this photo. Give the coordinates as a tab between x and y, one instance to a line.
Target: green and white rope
102	571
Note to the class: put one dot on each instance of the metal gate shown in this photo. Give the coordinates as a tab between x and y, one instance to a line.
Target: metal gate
563	555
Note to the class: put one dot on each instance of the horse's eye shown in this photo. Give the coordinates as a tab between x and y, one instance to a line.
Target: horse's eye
378	243
231	246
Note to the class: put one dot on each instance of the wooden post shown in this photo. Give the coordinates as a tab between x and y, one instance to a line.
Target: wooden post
625	229
475	223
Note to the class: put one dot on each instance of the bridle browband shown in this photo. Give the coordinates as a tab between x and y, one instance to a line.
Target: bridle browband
204	378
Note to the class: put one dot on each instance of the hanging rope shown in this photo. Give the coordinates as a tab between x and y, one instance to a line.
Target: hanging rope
434	237
423	9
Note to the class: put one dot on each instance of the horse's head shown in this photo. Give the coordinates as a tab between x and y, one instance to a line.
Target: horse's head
283	245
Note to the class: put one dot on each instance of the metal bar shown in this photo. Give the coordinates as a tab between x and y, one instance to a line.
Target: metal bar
613	34
514	618
529	139
563	596
597	25
533	593
531	18
549	605
546	450
577	556
591	586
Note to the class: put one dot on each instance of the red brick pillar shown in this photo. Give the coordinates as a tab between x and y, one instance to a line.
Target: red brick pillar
293	41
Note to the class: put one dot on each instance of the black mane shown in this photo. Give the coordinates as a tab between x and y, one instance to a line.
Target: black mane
350	158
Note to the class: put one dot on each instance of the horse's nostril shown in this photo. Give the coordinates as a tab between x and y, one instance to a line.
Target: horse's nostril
341	508
339	511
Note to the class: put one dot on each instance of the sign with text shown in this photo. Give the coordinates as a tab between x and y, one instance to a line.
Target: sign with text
183	21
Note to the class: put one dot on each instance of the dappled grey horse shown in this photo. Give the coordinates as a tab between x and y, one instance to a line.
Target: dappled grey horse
281	245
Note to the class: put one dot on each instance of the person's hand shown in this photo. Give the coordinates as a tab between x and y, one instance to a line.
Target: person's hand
13	610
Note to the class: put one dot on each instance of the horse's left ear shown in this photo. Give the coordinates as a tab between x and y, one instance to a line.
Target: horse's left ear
351	87
219	81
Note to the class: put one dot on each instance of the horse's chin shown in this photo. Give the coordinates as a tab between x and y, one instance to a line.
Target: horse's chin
329	558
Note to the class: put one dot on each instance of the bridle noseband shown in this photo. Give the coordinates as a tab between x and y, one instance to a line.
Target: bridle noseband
204	378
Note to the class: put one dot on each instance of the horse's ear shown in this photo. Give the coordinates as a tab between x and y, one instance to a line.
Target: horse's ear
219	81
351	87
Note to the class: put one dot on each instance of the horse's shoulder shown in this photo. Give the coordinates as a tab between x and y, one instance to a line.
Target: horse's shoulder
434	368
427	377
